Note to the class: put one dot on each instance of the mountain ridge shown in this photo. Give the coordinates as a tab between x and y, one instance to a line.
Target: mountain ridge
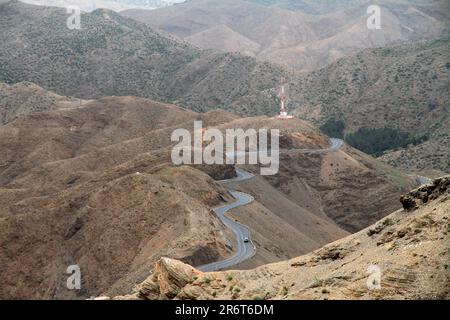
292	38
113	55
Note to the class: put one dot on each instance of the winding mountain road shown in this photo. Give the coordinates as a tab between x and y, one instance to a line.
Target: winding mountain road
246	250
335	144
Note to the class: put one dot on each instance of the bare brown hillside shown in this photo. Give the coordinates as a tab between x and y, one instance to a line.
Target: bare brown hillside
337	178
86	186
408	249
94	185
326	184
316	195
26	97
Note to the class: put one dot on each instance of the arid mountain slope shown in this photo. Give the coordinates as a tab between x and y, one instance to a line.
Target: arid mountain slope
115	56
283	224
325	182
59	159
26	97
433	154
406	255
289	35
409	81
114	226
94	185
337	178
404	87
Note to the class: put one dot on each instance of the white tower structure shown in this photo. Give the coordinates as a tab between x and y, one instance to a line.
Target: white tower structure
283	97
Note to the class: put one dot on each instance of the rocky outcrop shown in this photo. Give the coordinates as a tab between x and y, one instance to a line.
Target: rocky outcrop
166	282
171	275
426	193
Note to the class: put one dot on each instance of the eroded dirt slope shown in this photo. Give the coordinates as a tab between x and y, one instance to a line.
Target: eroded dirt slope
409	249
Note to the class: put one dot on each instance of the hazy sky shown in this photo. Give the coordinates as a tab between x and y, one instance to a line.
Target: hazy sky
117	5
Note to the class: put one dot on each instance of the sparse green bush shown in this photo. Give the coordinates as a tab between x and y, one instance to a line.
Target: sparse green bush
334	128
317	282
376	141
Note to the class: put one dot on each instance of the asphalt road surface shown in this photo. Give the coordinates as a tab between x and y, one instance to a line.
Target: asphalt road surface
245	250
335	144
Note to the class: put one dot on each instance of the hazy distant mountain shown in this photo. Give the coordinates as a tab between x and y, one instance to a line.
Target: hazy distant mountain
311	6
327	6
296	38
116	5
